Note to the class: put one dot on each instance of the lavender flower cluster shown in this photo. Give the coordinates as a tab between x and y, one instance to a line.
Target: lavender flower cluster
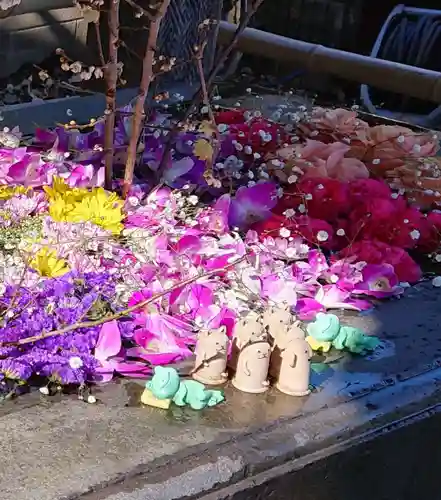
57	303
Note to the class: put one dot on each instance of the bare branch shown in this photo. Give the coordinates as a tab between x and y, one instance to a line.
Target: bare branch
146	79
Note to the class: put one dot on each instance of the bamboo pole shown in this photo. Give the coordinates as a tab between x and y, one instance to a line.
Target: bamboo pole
400	78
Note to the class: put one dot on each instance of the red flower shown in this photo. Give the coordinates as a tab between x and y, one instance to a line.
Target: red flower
325	199
377	252
365	189
314	231
231	117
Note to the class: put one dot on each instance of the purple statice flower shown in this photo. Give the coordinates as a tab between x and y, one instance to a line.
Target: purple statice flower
56	303
15	369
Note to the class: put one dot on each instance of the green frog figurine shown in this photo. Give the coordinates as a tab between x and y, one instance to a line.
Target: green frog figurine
166	387
326	332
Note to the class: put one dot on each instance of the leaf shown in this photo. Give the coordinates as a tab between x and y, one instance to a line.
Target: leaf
203	150
207	128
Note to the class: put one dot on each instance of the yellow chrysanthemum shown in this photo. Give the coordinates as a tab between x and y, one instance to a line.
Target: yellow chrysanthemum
59	208
80	205
102	208
60	189
47	263
7	192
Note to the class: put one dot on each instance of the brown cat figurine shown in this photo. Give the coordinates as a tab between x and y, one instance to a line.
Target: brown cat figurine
211	357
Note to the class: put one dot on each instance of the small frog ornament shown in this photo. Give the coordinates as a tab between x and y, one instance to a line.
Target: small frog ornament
326	332
166	387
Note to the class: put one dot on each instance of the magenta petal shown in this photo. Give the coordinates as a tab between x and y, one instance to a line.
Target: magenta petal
188	244
143	337
109	341
133	369
317	261
380	281
153	358
357	305
307	308
105	372
252	204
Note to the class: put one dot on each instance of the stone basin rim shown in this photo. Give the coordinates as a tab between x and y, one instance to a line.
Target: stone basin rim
286	444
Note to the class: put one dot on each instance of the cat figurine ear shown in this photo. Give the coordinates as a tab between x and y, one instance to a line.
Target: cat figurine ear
249	330
211	357
276	318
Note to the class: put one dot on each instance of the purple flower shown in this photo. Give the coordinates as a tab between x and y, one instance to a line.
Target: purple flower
252	204
380	281
14	369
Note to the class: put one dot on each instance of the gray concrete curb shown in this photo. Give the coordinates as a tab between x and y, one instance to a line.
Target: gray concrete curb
221	469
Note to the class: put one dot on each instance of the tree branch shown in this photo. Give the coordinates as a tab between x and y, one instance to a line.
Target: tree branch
111	74
146	79
125	312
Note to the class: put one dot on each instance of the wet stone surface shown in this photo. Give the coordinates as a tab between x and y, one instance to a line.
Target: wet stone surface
60	447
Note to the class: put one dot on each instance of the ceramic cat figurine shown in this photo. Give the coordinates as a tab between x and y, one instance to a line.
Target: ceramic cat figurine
276	319
166	387
247	329
252	368
294	373
285	334
211	357
253	355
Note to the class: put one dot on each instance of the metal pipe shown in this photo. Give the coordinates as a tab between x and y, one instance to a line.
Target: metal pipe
395	77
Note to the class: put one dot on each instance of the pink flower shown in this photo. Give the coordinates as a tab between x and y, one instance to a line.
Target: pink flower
252	204
86	176
339	123
329	297
377	252
215	219
111	356
159	348
379	281
319	160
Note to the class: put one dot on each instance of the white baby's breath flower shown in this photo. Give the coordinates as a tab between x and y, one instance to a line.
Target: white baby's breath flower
75	362
436	282
322	236
193	199
415	234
